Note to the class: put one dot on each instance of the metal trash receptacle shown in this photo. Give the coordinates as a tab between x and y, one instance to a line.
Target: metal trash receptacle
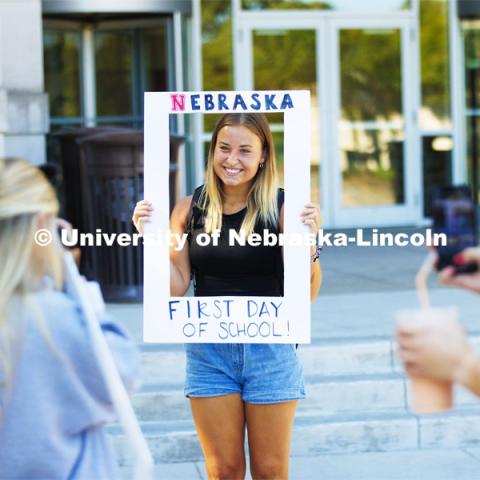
70	164
112	173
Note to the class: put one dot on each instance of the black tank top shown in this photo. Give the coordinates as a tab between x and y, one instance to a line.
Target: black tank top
234	269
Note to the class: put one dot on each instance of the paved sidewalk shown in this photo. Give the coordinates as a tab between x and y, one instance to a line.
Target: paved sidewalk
416	465
372	269
363	288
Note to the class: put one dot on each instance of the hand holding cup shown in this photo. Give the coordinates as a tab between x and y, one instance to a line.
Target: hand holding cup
434	347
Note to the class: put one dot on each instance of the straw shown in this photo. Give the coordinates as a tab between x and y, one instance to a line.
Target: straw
422	277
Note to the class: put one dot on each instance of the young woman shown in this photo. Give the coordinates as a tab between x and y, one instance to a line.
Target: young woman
233	386
53	399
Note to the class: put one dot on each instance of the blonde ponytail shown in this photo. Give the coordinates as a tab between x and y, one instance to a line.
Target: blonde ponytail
25	198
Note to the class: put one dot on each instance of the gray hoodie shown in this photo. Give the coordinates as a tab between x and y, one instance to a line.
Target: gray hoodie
51	420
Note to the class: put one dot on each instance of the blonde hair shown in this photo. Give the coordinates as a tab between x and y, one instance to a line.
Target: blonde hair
24	194
262	196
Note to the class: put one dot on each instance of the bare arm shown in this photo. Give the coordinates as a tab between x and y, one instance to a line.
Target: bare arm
469	372
179	258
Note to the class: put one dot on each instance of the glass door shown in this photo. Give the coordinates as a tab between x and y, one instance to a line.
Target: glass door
126	58
376	180
365	162
471	51
130	58
279	55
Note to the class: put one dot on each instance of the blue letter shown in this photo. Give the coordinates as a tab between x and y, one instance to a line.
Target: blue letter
193	327
194	100
172	309
201	306
228	302
230	325
239	101
248	330
276	334
248	308
219	310
268	327
269	102
276	307
263	310
221	102
223	325
241	330
209	105
286	102
256	105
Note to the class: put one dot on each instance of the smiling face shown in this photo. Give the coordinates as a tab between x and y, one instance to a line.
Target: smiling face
237	155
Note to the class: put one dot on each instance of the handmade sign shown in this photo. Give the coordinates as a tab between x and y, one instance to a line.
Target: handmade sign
228	319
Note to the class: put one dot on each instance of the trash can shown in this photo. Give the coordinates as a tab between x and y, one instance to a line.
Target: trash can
112	174
70	165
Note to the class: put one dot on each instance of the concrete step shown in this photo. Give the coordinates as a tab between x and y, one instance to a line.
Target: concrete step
325	395
165	364
392	430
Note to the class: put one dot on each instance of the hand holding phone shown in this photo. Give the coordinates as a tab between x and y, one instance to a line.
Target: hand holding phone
454	215
471	281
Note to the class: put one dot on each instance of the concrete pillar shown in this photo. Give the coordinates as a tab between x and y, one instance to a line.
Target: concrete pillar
23	103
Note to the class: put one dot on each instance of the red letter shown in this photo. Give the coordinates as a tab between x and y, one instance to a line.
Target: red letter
178	102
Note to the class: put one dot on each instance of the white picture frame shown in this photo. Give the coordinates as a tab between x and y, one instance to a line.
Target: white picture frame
232	319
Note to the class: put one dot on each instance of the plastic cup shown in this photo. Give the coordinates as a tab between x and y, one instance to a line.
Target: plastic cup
429	395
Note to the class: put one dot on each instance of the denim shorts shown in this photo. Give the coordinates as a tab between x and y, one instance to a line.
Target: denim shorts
261	373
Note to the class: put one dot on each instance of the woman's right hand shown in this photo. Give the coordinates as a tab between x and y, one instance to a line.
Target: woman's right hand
433	349
141	215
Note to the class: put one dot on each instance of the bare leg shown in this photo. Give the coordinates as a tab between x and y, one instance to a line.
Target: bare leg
269	430
220	423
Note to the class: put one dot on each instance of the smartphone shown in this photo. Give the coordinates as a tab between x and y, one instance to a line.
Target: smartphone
454	214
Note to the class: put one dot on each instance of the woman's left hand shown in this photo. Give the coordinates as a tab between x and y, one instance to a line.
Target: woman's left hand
311	217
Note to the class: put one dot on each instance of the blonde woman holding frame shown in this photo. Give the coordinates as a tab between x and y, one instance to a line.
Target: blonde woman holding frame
238	387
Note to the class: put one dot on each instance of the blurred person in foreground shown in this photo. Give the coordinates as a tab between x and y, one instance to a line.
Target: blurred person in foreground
53	398
441	351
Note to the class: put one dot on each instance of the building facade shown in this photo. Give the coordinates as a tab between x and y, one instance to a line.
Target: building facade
393	85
